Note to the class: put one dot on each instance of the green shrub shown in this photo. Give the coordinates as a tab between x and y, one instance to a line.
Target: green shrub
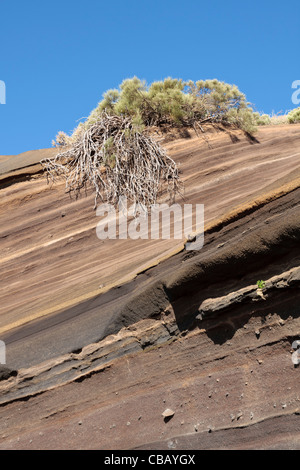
262	119
242	118
177	103
261	284
294	116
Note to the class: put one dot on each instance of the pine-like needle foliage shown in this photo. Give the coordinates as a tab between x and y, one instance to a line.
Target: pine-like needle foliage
177	103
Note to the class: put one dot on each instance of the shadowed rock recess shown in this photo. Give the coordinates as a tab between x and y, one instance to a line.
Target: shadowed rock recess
142	344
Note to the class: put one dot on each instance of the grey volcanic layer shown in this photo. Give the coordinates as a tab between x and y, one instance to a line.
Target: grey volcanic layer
96	368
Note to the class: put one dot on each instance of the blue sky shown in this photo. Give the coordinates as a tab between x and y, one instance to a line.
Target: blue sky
59	57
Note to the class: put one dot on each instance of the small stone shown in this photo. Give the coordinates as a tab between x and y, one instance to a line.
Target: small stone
172	444
190	238
168	413
251	415
79	423
128	423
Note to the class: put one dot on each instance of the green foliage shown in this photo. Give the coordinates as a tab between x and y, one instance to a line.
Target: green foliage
261	284
131	97
262	119
168	100
294	116
243	118
177	103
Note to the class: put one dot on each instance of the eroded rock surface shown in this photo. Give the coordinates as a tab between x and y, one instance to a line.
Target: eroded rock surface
188	333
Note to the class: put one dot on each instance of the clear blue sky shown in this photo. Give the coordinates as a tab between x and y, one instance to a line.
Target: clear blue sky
58	57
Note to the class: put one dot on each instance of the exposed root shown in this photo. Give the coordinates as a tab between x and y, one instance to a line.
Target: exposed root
116	160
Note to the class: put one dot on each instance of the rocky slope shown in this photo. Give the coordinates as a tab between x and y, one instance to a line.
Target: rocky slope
103	337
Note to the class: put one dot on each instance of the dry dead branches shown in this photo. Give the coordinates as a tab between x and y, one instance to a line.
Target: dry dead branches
116	160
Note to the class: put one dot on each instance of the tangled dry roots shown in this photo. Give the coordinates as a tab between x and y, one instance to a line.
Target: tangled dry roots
117	160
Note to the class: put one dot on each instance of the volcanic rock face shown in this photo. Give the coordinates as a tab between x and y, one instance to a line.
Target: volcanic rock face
177	349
